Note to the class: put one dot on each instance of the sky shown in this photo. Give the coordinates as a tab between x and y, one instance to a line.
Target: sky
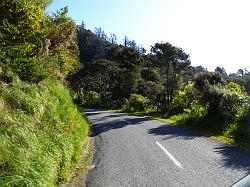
214	32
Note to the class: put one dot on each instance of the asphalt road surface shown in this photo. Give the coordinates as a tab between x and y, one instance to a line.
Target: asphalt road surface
136	151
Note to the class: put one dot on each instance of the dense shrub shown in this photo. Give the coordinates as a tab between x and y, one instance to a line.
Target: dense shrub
34	44
233	105
183	100
152	91
229	100
32	70
221	101
89	98
22	27
136	102
202	79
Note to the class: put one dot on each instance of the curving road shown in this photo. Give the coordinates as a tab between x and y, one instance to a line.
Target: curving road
136	151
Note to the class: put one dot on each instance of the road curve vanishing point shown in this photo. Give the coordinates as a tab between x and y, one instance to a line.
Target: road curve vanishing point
137	151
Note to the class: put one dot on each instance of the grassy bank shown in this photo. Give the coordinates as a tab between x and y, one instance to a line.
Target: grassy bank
42	134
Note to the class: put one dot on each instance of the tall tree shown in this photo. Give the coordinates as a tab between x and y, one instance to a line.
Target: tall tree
172	60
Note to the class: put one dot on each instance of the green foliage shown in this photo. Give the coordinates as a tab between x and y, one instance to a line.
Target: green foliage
233	105
115	80
31	40
248	86
61	33
162	81
233	87
152	91
42	134
228	101
103	77
239	132
201	80
21	27
89	98
172	61
32	70
220	101
179	103
151	74
62	64
136	102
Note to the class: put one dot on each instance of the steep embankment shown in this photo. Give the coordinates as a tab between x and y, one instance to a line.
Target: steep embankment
42	134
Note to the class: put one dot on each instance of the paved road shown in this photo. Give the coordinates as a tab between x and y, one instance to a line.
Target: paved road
136	151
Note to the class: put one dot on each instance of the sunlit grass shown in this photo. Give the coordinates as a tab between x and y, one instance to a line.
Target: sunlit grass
42	134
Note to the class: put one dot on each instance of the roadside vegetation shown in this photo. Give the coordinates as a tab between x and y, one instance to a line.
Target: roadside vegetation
43	134
161	83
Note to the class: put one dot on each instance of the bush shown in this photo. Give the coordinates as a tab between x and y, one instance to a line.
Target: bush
136	103
183	100
89	98
202	79
152	91
31	70
233	105
220	100
228	101
179	104
42	134
22	27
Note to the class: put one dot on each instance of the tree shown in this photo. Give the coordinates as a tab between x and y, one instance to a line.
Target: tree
132	44
221	70
113	38
141	49
130	61
172	61
216	97
202	79
101	77
153	91
240	72
126	41
98	31
151	74
22	27
31	41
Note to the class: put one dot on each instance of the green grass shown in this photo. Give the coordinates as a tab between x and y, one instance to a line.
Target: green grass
42	134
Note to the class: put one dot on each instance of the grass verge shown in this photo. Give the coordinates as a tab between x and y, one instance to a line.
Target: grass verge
78	175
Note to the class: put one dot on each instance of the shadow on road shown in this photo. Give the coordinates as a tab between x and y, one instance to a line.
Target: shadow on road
233	157
171	131
112	121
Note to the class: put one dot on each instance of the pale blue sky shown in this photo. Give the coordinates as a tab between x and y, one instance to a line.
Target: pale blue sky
213	32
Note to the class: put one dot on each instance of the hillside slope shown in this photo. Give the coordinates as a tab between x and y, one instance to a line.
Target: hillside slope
42	134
